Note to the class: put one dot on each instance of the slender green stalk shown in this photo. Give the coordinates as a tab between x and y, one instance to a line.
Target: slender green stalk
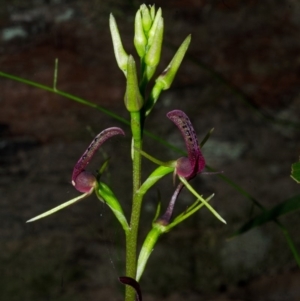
65	94
289	241
131	238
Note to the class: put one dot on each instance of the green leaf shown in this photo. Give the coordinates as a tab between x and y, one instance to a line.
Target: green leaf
296	172
283	208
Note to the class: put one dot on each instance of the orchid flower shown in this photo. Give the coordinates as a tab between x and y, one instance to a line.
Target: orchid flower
185	167
84	181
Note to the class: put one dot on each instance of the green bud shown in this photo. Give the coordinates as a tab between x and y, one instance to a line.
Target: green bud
152	31
152	57
140	40
146	17
120	53
133	98
166	78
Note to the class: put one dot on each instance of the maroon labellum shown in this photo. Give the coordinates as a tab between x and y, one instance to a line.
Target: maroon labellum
83	180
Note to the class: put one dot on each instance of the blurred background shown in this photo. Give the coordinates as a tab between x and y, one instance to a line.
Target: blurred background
241	76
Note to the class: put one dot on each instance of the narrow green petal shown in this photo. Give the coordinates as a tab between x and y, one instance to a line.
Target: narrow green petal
62	206
209	207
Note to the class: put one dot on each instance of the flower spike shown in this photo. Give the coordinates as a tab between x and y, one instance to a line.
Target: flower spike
85	181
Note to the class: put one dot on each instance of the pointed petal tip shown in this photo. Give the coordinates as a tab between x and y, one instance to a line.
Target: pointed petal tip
32	220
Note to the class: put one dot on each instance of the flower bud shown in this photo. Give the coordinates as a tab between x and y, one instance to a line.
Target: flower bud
133	98
140	40
146	18
167	76
120	53
152	57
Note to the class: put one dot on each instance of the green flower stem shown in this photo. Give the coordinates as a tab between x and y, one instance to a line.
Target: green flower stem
131	238
147	248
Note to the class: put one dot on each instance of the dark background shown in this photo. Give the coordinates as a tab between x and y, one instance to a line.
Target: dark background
242	67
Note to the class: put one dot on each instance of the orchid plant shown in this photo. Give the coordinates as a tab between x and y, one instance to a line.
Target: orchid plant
148	39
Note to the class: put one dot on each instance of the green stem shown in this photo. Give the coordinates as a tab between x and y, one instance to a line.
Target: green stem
131	238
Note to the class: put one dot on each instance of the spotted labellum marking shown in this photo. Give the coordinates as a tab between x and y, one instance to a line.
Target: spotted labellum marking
195	163
83	180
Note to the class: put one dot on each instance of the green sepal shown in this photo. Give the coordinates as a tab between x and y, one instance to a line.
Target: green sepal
62	206
198	204
209	207
120	53
105	194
